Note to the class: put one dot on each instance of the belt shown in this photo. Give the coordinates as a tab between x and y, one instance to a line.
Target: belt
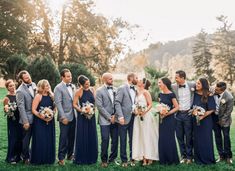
183	111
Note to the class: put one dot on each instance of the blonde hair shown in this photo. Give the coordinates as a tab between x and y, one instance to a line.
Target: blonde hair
41	86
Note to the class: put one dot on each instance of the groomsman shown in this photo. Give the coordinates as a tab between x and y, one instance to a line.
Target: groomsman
184	92
124	103
105	97
24	97
222	121
64	93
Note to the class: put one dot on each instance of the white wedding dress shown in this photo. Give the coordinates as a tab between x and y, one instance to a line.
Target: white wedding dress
145	135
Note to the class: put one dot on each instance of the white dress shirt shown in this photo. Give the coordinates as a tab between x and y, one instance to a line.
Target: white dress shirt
110	93
184	97
69	88
217	101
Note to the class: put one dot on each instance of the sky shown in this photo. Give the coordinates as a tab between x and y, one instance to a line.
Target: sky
165	20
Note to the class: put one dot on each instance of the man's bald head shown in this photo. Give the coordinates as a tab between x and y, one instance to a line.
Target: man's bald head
107	78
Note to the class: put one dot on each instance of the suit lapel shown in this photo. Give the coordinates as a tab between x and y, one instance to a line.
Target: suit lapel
107	93
27	90
67	91
128	92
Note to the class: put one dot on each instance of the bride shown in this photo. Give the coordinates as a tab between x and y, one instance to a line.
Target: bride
145	130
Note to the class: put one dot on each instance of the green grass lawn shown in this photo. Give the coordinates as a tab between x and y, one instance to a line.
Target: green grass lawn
70	166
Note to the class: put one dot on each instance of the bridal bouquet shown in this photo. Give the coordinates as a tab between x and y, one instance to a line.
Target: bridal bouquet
11	108
162	108
47	112
88	110
199	112
139	110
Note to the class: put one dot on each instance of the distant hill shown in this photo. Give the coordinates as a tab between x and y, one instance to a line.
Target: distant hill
170	57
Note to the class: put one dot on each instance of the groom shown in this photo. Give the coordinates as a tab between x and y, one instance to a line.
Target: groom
124	102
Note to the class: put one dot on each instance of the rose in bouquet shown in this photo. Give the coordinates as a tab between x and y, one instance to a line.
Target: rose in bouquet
197	111
46	112
10	110
88	110
139	110
161	110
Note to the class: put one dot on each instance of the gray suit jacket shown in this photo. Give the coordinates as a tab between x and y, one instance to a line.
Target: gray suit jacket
191	86
24	101
105	105
225	109
123	103
64	102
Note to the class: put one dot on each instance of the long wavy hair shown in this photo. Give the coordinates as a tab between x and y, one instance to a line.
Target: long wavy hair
205	89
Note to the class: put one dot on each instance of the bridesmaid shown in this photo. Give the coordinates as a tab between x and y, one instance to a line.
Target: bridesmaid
14	131
167	145
86	149
43	137
203	139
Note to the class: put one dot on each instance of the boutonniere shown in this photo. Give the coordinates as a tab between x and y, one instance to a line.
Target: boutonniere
192	89
222	101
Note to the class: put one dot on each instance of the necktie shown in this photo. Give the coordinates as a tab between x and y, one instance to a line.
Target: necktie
69	85
29	85
218	95
109	87
132	87
182	86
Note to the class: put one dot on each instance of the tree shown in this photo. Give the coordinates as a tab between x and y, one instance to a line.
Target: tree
224	51
202	57
15	19
153	75
44	68
13	65
76	70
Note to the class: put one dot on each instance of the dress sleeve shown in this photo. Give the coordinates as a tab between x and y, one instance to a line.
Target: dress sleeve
173	96
211	105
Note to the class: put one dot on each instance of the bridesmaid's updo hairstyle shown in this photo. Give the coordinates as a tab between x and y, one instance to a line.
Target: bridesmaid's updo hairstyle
166	82
146	83
8	82
82	80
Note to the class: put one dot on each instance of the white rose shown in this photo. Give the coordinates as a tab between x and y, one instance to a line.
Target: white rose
192	89
222	101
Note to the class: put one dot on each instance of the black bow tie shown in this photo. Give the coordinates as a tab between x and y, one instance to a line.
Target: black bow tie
109	87
29	85
182	86
132	87
218	95
69	85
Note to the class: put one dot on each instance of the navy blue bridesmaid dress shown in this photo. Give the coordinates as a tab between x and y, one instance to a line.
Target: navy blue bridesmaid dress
167	144
86	148
203	138
43	137
14	134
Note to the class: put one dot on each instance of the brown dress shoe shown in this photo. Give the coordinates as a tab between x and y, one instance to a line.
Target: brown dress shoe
61	162
124	164
70	157
229	160
26	161
219	160
104	164
183	161
189	161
